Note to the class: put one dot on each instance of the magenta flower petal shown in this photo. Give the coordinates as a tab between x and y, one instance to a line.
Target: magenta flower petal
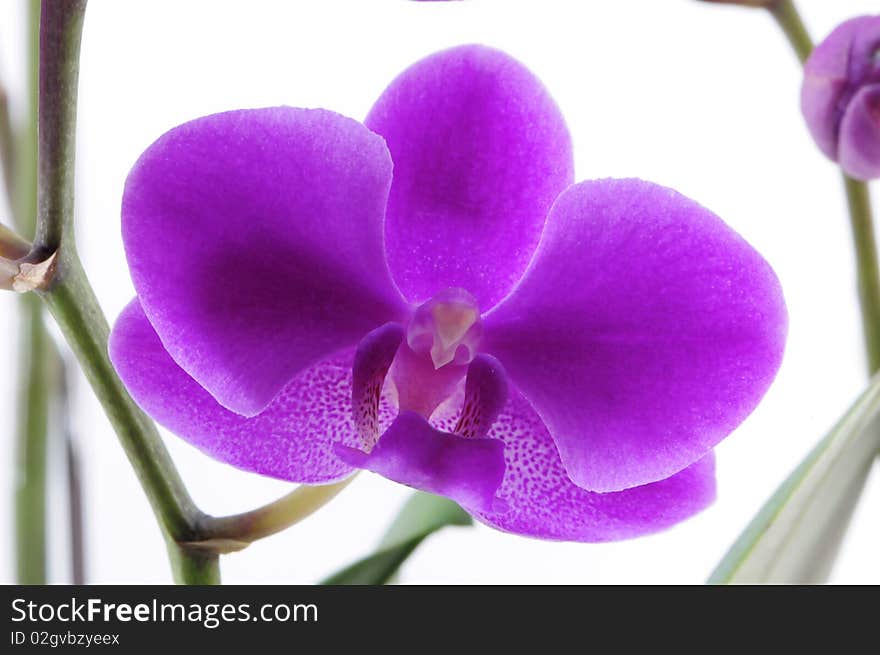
480	152
839	67
255	244
292	439
542	502
411	452
644	331
859	151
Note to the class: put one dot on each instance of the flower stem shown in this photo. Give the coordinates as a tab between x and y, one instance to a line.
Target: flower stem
72	302
194	540
231	533
12	246
193	567
34	344
76	520
7	144
24	192
60	36
858	202
861	220
30	488
788	18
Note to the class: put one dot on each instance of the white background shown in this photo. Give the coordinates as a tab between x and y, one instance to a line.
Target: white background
695	96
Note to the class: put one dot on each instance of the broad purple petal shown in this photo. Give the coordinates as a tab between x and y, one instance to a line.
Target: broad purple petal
480	152
859	152
255	244
644	331
292	439
836	69
413	453
542	501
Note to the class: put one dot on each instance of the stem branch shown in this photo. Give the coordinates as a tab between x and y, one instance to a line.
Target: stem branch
231	533
12	246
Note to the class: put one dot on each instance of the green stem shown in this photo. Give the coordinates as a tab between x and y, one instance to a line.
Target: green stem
12	246
60	36
72	302
76	520
194	567
858	202
7	144
789	20
231	533
34	358
864	240
194	539
30	491
24	192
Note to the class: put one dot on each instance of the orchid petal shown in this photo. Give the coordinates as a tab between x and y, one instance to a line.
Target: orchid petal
480	152
542	501
859	152
644	332
255	243
372	359
413	453
291	440
485	395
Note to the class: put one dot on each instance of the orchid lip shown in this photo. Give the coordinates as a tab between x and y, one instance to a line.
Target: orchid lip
447	328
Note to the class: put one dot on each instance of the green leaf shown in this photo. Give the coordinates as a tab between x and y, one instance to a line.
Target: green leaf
422	515
795	537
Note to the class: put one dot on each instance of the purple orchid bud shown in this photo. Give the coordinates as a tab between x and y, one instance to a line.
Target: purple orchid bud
559	358
840	97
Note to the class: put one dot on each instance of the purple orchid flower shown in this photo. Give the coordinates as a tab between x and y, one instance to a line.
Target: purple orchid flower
840	97
558	358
